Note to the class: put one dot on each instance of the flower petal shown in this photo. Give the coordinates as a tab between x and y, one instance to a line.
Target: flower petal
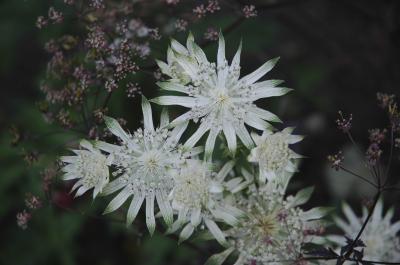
150	220
118	201
147	114
188	102
260	72
134	208
216	232
165	208
116	129
218	259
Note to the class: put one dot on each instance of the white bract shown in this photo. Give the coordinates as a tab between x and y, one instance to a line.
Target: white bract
379	236
275	228
272	153
198	198
146	163
215	94
90	166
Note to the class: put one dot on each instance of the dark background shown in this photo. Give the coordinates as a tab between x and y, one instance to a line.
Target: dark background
336	55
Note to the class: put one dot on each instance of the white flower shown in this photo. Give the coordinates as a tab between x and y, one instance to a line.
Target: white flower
276	228
147	161
215	94
90	166
273	154
380	234
198	199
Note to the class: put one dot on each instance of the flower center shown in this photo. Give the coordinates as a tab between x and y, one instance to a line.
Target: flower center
268	225
274	153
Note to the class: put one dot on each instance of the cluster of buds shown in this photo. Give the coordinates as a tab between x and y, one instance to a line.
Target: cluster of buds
23	219
32	203
53	16
385	100
249	11
343	123
336	160
181	25
202	10
211	34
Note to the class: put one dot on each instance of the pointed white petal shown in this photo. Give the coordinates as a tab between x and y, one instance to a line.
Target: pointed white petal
264	114
316	213
68	159
187	231
70	176
225	171
179	48
230	136
267	84
109	148
150	220
376	217
233	183
81	191
171	86
177	132
218	259
182	118
270	92
216	232
114	185
260	72
176	100
163	67
348	212
302	197
116	129
221	51
210	143
295	139
225	217
165	207
118	201
203	128
147	114
195	217
134	208
244	136
257	123
86	144
164	119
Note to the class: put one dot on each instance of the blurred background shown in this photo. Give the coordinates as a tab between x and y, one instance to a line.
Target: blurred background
336	55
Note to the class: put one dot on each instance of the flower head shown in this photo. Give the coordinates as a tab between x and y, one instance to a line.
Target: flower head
146	163
198	199
275	228
215	94
273	154
90	166
379	236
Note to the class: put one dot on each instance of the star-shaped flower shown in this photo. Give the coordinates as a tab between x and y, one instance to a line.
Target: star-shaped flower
90	166
216	95
146	163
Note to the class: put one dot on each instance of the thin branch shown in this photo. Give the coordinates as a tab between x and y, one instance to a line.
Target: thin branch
371	211
358	176
390	156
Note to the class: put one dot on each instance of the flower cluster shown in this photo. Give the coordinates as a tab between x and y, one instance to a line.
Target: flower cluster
245	212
